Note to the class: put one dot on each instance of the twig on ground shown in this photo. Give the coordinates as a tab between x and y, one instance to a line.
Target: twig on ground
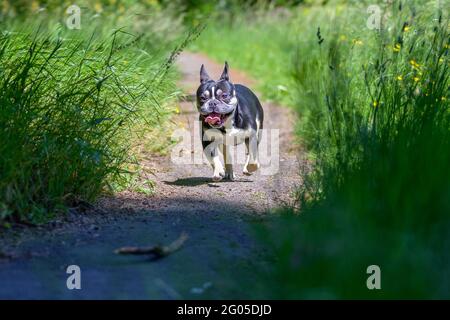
158	250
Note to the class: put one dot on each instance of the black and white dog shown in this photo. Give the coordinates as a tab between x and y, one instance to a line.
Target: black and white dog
230	114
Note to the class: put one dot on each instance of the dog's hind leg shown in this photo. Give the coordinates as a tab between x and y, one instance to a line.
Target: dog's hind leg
252	163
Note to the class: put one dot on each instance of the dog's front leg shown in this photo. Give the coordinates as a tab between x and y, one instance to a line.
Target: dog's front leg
211	149
228	158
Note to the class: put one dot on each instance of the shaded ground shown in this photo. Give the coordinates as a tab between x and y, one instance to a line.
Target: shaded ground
216	216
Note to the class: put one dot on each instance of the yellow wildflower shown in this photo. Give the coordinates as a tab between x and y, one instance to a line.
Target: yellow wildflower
34	6
397	47
406	29
357	42
375	104
399	78
98	7
414	64
5	6
416	79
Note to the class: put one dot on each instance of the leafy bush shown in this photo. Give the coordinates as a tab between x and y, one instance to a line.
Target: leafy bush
72	105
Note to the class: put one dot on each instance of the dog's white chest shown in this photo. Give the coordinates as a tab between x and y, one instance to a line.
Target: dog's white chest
232	136
235	136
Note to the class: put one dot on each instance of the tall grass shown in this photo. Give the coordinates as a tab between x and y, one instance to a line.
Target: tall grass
73	106
375	118
378	128
380	137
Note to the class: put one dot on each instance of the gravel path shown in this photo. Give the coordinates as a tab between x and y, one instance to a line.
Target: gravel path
217	217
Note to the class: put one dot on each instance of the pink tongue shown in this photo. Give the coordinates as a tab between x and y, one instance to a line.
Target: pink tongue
212	119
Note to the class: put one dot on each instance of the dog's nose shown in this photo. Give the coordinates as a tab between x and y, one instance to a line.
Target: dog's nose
214	103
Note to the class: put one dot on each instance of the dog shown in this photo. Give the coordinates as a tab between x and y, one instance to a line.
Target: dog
230	114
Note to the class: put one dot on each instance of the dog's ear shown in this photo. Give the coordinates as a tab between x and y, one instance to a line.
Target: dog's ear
225	75
204	77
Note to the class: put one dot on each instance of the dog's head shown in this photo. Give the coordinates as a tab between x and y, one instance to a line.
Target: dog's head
216	100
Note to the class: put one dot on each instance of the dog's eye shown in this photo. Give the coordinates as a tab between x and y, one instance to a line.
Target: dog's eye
225	95
204	96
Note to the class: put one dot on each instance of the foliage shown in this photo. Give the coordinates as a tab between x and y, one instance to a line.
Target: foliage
375	118
74	103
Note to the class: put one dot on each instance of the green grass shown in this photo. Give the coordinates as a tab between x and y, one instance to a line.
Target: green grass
267	55
375	118
74	104
378	128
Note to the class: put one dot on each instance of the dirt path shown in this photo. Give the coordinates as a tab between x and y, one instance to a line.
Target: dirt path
257	193
216	216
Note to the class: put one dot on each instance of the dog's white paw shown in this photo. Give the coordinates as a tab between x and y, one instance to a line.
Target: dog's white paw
229	175
250	168
217	178
219	175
